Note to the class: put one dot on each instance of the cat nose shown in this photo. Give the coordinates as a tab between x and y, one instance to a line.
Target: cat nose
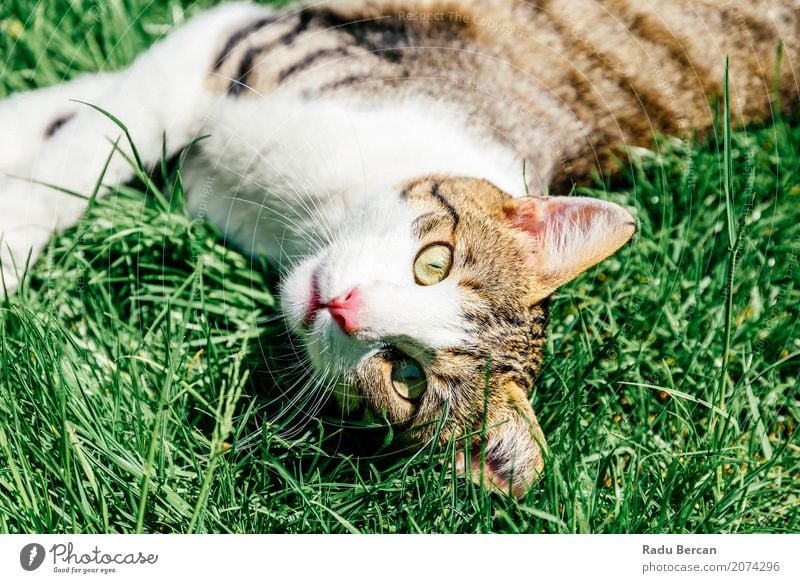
344	310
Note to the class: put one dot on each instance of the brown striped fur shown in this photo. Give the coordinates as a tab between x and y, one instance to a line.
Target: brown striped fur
567	82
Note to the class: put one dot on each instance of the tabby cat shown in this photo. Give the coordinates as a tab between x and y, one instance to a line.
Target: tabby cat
373	149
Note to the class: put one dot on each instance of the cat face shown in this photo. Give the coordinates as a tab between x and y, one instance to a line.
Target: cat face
429	311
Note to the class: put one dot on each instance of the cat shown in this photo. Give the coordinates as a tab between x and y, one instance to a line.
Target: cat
374	150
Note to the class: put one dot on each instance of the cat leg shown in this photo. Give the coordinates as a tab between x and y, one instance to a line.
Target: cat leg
162	99
29	119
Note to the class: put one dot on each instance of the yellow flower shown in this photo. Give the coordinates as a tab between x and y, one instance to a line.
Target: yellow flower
13	28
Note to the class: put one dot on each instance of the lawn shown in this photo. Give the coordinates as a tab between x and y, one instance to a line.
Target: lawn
147	383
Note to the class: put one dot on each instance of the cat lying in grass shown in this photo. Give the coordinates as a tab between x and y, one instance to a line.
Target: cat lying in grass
373	151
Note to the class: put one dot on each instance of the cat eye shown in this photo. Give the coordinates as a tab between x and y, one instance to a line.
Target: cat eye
408	379
433	264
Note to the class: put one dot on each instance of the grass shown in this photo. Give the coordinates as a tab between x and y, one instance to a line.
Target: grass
144	375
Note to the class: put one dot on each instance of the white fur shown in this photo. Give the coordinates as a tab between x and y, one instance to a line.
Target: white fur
311	185
376	255
308	165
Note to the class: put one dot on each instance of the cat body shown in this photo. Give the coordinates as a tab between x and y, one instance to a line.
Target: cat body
374	151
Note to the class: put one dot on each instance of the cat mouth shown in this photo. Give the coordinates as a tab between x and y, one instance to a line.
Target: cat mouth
342	310
314	304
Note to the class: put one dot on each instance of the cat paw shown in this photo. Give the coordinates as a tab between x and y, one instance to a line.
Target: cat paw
24	232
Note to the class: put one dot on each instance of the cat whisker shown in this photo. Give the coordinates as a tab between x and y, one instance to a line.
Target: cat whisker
316	389
304	199
299	199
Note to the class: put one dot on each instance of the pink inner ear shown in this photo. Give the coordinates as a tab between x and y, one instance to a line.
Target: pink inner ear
535	214
568	235
531	215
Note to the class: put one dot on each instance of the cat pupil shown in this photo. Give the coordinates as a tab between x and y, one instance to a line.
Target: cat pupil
408	379
410	372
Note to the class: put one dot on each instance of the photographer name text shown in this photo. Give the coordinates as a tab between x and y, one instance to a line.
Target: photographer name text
677	550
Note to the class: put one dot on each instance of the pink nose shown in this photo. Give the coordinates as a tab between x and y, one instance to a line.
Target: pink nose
344	310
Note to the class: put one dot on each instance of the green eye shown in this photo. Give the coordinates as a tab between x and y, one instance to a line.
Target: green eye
408	379
433	264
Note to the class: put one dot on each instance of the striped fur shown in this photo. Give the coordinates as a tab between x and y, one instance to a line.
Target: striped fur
564	82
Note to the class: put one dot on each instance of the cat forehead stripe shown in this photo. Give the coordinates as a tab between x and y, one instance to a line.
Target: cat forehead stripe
437	195
431	220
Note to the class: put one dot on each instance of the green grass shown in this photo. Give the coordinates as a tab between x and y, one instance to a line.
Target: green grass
144	375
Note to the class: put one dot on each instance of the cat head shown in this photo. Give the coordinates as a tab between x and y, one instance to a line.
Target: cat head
428	311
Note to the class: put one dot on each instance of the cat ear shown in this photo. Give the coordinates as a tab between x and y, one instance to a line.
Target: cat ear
509	459
568	235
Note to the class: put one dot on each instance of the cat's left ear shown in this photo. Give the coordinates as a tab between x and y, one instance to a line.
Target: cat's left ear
568	235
